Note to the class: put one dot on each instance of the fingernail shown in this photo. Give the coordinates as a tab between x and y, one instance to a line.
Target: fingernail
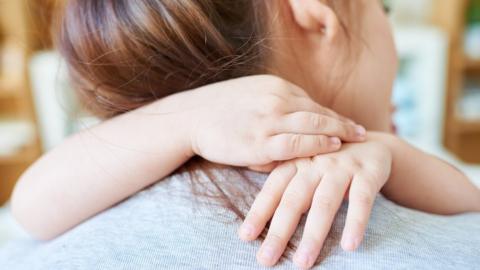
303	258
335	141
360	131
267	254
246	231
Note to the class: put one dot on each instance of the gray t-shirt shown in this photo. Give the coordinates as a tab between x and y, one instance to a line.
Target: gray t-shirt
171	226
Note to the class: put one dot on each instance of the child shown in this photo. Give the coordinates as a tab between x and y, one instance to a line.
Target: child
124	55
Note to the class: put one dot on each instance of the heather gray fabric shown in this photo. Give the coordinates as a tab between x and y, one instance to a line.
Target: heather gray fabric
165	227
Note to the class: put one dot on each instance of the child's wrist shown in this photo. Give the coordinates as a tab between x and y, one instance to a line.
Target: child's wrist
389	140
177	121
182	123
187	123
393	143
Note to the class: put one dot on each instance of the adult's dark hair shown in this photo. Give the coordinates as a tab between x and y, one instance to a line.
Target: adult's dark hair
123	54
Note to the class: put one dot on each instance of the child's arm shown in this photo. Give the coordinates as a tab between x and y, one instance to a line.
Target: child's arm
405	174
241	122
424	182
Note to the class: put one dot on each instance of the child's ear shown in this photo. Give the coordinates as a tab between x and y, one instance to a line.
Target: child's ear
315	16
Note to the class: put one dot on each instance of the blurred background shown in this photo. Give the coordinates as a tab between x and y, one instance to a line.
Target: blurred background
437	93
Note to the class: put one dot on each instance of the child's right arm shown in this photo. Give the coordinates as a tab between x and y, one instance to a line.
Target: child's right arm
244	122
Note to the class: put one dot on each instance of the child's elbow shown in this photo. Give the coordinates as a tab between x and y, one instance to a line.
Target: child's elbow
29	214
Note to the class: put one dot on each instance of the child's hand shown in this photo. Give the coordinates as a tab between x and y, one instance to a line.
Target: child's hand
319	184
261	119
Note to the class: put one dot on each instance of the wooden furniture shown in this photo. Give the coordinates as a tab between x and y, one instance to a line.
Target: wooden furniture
18	40
461	136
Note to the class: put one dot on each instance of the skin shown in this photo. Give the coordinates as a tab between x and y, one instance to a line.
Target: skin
344	73
47	199
316	186
101	166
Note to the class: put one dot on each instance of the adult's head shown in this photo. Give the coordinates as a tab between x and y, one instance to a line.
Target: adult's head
124	54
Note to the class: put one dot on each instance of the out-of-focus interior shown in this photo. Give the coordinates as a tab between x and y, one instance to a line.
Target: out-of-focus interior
437	93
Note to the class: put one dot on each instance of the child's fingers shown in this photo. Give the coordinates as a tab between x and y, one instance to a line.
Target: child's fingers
361	199
320	124
289	146
266	201
326	201
294	203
